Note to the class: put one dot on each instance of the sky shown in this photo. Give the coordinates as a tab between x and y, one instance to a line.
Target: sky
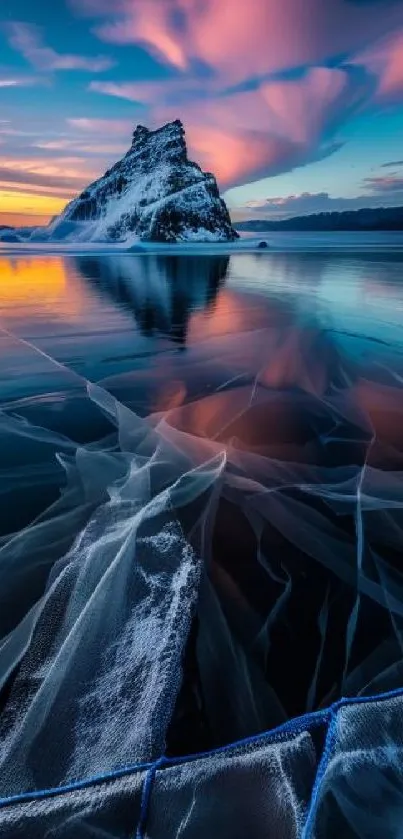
295	105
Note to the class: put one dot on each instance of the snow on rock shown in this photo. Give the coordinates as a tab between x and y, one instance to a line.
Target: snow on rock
154	193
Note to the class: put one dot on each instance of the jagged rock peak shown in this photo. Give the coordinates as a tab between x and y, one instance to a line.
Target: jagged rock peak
141	132
153	193
165	142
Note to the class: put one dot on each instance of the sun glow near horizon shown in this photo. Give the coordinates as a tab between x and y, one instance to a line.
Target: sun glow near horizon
26	208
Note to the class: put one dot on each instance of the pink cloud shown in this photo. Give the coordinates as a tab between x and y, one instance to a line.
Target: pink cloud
302	108
278	124
276	127
281	123
298	109
248	135
239	156
26	39
260	37
295	108
384	60
149	24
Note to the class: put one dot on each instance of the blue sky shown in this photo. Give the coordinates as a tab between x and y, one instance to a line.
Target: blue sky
295	106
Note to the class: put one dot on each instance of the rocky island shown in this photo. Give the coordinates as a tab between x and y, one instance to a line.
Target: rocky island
154	193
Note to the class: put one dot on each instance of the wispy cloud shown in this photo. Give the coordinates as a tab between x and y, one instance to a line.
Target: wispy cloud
280	119
36	189
169	91
106	127
261	91
251	134
95	147
392	164
18	81
308	203
132	91
8	82
66	172
384	61
263	36
384	184
26	38
7	131
59	181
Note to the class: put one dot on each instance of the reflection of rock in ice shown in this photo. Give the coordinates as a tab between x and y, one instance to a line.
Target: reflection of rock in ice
161	291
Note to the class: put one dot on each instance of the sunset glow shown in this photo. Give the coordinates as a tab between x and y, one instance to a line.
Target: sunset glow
27	204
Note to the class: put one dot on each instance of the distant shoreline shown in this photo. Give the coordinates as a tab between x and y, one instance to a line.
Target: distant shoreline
388	219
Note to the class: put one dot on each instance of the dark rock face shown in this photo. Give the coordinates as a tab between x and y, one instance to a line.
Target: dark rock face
154	193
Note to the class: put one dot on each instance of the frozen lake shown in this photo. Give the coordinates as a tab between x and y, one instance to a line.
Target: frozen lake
268	386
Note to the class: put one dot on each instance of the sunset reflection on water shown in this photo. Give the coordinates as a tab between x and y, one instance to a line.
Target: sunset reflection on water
162	332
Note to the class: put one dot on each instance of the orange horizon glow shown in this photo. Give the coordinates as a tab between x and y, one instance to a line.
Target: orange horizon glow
27	209
24	219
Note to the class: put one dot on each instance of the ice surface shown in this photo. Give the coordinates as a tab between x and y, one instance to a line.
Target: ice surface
105	641
208	573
